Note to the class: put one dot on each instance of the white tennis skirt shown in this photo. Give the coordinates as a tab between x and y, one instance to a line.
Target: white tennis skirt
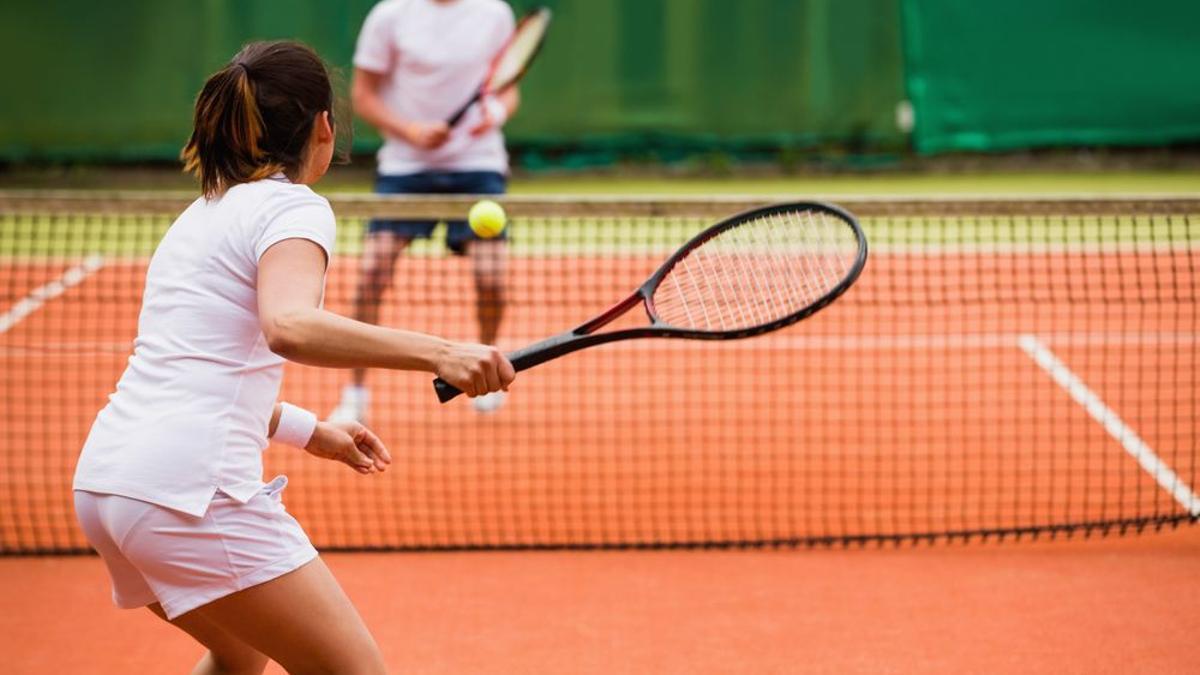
155	554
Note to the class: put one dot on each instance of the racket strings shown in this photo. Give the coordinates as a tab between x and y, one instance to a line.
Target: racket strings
519	51
758	272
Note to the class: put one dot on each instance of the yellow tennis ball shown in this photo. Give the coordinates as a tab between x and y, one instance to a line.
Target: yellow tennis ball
487	219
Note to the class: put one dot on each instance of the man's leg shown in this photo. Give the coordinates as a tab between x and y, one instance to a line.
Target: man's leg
488	258
375	277
488	262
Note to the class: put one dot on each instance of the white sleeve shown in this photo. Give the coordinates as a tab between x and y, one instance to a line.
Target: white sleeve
374	51
296	216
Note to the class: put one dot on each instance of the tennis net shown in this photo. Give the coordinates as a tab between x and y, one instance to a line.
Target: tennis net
1003	368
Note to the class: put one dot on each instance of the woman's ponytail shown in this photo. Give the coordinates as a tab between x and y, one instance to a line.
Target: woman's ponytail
253	118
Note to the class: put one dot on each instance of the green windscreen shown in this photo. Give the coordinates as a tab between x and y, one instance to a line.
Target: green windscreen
1018	74
89	80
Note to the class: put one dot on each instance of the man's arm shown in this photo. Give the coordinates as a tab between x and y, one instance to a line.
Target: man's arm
369	105
508	101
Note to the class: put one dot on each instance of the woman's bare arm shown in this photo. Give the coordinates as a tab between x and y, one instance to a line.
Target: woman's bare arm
290	283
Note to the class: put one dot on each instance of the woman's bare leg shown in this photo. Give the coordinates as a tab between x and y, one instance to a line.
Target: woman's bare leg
226	654
302	620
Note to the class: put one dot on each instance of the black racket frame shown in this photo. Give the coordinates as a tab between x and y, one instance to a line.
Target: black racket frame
585	336
454	119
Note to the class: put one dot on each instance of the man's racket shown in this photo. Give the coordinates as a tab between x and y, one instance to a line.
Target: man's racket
512	60
750	274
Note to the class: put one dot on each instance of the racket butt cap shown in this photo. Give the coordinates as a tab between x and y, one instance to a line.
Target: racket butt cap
445	391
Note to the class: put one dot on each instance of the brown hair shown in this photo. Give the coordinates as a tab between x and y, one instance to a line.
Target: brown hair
254	117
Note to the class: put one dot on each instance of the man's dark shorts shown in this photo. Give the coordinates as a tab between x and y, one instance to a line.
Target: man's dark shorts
437	182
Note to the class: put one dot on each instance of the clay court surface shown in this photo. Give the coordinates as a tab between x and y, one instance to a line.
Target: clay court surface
913	417
915	405
1109	606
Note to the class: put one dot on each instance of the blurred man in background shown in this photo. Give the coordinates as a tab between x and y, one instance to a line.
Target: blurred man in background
415	63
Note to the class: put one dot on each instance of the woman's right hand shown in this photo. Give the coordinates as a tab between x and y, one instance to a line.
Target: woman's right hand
426	135
475	369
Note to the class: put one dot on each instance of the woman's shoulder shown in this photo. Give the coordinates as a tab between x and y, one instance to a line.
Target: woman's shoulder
260	203
276	190
284	196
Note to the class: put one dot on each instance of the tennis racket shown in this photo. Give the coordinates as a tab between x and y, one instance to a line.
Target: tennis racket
750	274
512	60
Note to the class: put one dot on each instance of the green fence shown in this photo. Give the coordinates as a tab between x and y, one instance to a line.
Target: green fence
91	80
86	80
1029	73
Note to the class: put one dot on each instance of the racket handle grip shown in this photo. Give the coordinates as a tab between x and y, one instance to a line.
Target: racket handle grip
521	359
446	392
454	119
528	357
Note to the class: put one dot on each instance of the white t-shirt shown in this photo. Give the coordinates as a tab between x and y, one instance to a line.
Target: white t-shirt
191	412
434	56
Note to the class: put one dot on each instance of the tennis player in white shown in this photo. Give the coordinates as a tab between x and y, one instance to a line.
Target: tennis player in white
415	63
169	485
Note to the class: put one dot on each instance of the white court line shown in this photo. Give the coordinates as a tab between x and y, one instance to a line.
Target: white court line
530	250
795	340
46	292
1112	423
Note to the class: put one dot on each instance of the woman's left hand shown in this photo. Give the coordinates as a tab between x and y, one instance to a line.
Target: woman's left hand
351	444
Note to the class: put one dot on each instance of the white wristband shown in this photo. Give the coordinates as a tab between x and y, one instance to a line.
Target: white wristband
296	425
496	110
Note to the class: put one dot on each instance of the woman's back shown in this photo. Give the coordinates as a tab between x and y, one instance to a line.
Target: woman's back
190	413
